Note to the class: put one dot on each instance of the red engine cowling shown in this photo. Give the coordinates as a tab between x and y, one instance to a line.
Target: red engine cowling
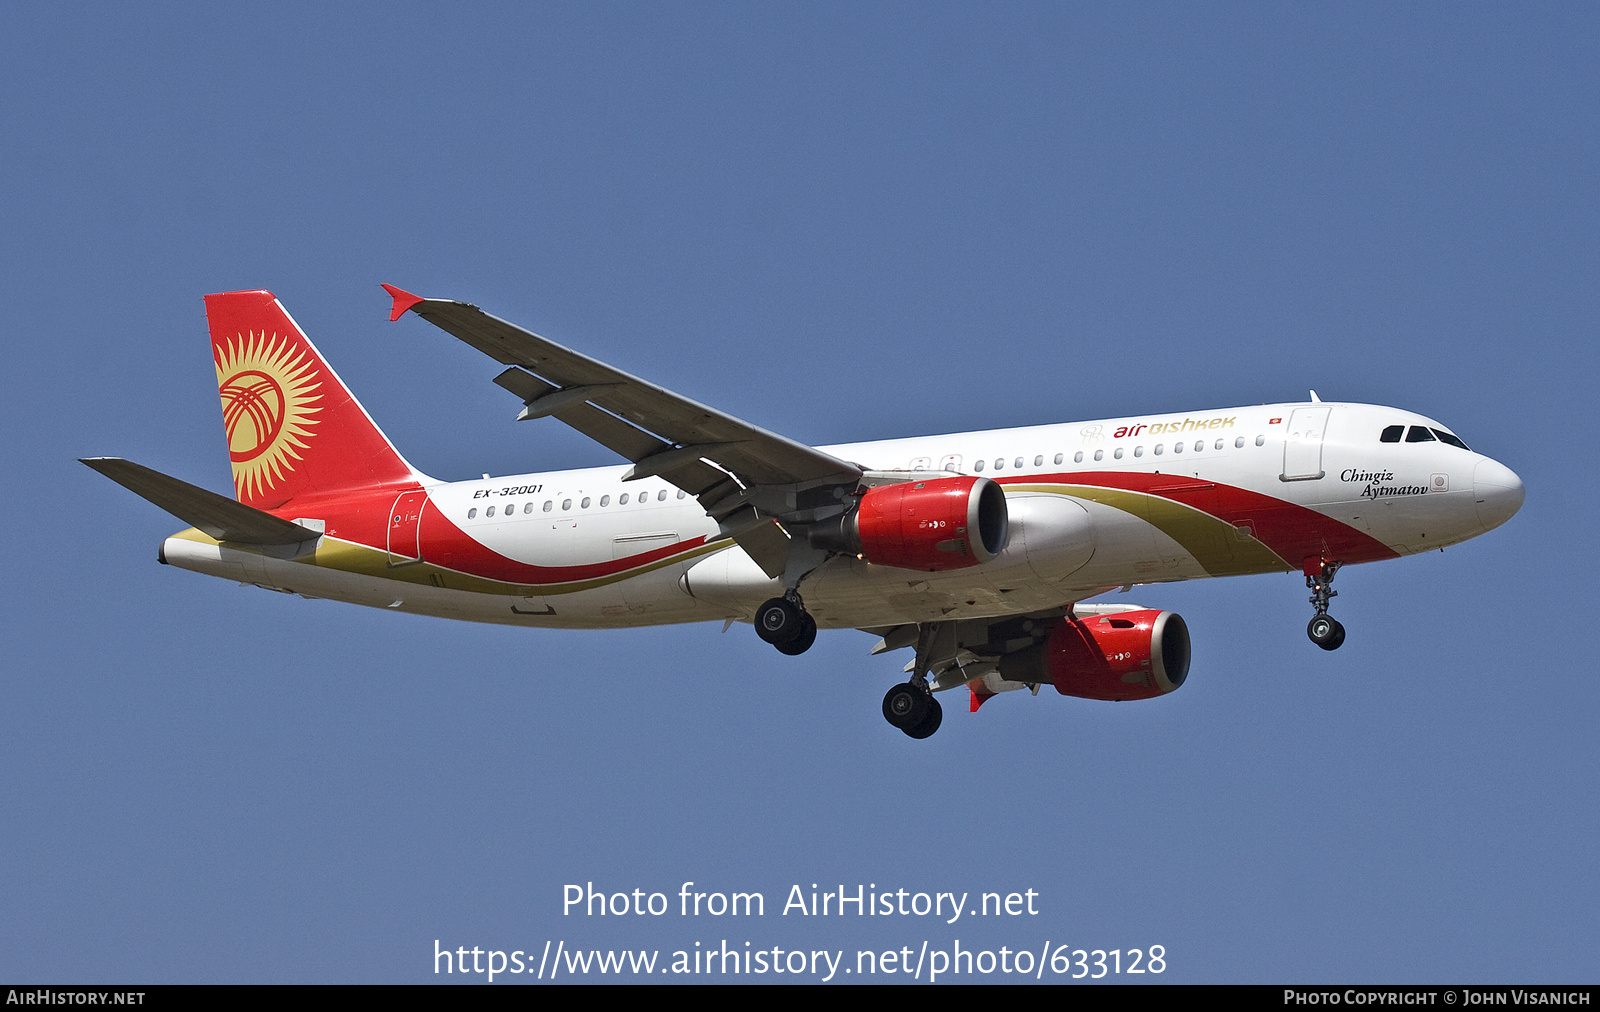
933	525
1125	655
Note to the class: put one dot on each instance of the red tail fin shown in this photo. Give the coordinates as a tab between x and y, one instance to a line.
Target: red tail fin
294	430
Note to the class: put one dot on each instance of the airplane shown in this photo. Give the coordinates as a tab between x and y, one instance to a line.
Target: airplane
980	550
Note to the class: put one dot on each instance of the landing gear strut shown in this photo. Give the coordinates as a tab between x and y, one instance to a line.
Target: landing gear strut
785	623
1325	630
910	706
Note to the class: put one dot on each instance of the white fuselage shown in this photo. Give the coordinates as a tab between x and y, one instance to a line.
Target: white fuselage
1323	463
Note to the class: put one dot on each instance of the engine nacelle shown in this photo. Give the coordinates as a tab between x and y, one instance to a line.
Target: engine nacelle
932	525
1124	655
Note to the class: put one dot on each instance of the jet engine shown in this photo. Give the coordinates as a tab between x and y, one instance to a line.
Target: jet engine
1124	655
932	525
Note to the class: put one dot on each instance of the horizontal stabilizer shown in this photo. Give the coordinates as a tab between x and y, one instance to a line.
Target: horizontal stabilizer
217	515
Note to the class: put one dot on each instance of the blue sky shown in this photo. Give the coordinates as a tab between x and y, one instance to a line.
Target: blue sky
841	223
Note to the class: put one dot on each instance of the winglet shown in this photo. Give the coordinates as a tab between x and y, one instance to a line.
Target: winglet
403	300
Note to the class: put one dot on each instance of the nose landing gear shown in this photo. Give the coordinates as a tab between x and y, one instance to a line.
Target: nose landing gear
785	623
1324	630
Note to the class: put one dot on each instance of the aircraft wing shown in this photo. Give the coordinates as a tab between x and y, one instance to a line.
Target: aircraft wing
663	433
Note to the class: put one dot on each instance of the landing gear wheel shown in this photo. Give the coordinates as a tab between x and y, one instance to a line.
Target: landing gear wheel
803	639
1326	632
930	723
780	620
906	706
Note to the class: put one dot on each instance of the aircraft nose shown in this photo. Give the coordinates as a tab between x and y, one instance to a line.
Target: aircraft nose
1499	492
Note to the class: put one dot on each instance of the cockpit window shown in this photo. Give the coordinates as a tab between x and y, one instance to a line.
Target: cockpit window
1392	434
1419	434
1445	437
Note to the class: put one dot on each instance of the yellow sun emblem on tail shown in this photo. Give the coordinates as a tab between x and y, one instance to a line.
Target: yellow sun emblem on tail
269	392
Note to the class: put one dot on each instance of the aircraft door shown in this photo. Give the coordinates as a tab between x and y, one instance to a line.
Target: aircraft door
405	528
1302	448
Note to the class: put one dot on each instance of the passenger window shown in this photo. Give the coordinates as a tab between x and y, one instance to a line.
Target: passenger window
472	514
1138	451
661	496
999	462
1077	458
978	466
1176	448
566	504
623	500
548	505
1200	444
1445	437
1261	440
527	507
1419	434
1018	462
1392	433
1219	445
1117	454
681	493
1238	442
605	500
1059	457
489	512
1039	460
585	504
1159	448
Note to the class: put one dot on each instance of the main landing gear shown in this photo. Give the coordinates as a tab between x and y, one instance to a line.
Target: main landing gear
1325	630
912	708
785	623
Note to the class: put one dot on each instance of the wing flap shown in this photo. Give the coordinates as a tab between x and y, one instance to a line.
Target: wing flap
767	545
217	515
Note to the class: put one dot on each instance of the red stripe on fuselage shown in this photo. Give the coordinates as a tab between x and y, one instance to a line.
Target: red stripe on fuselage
1293	532
445	544
365	519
